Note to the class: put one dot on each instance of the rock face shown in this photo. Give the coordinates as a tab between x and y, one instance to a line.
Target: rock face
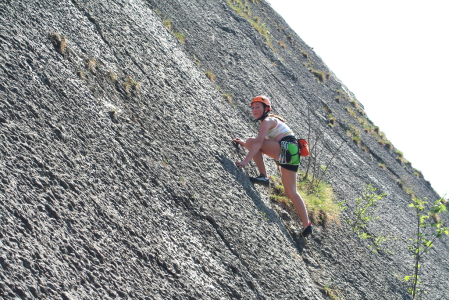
117	168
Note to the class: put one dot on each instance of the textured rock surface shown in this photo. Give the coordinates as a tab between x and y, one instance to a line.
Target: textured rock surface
117	171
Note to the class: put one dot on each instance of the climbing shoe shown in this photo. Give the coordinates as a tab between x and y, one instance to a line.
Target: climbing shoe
308	230
261	179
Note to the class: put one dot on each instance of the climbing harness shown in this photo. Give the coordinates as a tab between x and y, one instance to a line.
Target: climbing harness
289	153
285	155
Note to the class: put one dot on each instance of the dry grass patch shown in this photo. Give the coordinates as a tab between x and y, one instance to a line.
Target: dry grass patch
319	201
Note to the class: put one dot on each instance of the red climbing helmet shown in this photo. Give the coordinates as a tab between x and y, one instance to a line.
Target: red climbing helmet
264	100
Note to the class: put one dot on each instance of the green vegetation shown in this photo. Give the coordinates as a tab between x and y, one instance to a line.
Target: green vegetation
319	200
81	74
228	97
91	64
428	229
130	83
364	210
210	75
332	120
427	233
167	23
354	133
196	60
417	173
318	74
350	111
334	294
363	214
60	43
242	8
179	35
406	189
112	76
400	158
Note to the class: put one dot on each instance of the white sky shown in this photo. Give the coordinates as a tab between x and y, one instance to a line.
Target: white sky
394	56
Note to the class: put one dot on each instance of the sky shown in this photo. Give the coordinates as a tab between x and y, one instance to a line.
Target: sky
394	56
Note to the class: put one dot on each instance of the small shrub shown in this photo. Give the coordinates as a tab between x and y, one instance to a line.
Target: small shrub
210	75
167	24
332	293
364	213
112	76
406	189
350	111
228	97
130	83
196	60
354	133
91	64
354	103
319	75
427	233
180	36
332	120
243	9
400	158
389	145
362	121
60	43
81	74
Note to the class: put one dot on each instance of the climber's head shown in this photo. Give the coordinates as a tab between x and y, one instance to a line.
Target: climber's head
260	107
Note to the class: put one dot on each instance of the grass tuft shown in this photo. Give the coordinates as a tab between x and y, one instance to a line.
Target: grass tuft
60	43
130	83
243	9
167	23
91	64
228	97
210	75
180	36
319	201
320	75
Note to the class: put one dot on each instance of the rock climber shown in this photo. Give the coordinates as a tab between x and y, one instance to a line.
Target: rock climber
276	140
